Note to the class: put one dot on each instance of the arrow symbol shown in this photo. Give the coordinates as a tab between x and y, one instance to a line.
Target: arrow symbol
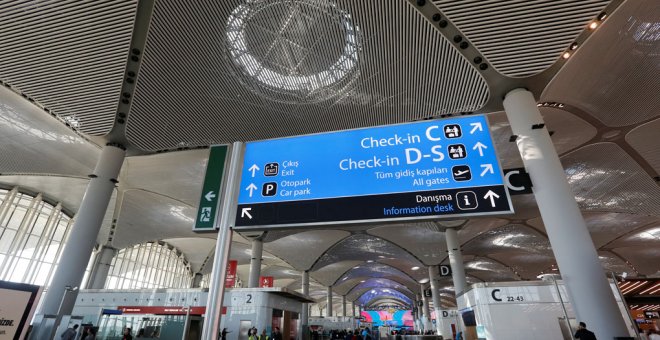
246	212
209	196
481	148
254	168
476	126
251	188
492	196
487	168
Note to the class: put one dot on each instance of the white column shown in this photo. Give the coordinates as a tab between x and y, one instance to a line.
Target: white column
227	209
101	267
426	319
343	305
456	261
304	315
85	229
581	271
329	307
255	263
434	276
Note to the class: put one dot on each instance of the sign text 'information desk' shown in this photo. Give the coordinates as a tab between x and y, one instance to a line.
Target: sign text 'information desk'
415	171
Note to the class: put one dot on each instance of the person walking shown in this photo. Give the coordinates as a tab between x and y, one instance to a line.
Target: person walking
224	333
276	334
70	333
127	334
583	333
91	334
263	335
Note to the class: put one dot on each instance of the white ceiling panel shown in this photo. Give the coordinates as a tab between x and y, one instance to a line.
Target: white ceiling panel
265	69
521	38
309	246
511	237
527	265
643	259
603	177
183	171
613	75
476	227
195	249
605	227
645	237
569	132
427	245
646	141
147	216
68	55
33	142
331	273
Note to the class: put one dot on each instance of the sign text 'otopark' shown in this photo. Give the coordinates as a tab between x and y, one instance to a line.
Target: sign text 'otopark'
416	171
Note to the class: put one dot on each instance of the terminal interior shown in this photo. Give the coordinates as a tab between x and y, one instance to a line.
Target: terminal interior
166	79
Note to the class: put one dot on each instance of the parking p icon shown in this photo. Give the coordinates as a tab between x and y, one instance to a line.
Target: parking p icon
269	189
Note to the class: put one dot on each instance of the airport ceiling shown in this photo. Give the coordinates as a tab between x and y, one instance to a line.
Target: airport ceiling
168	78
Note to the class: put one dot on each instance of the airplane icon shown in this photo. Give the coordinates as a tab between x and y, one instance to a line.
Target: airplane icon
461	173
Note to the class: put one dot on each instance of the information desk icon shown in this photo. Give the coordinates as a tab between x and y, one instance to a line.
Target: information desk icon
466	200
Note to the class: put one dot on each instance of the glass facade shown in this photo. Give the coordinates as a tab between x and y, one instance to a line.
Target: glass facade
32	233
149	265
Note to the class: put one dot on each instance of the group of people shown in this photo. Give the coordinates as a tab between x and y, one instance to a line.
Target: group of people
89	334
71	333
364	334
253	334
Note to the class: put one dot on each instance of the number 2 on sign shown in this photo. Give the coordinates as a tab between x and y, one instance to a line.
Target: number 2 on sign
249	298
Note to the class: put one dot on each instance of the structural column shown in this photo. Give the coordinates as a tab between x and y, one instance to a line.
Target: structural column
426	319
82	238
101	267
255	263
434	276
304	315
329	306
343	305
456	261
581	271
353	308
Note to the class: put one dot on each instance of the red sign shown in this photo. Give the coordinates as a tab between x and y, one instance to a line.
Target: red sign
166	310
230	279
266	281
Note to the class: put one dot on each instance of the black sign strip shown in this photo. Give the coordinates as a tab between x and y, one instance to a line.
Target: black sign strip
424	205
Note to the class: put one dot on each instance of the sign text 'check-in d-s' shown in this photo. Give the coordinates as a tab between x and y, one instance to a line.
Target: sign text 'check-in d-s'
416	171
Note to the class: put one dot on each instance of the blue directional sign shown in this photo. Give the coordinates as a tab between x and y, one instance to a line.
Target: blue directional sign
421	170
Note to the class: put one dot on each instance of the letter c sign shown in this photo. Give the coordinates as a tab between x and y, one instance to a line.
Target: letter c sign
495	291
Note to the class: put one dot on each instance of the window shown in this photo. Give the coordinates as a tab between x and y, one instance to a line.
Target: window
31	235
149	265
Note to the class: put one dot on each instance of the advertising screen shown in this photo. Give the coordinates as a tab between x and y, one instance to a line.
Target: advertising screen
397	319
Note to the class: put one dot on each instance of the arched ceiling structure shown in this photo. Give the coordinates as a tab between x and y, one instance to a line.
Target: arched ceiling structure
167	80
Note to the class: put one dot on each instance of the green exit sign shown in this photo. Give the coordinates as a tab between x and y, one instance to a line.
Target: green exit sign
208	203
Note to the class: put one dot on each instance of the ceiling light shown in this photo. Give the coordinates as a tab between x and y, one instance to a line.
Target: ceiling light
602	16
574	46
415	268
370	261
424	280
593	25
566	55
362	281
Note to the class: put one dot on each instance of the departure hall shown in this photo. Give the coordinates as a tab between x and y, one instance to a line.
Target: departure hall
330	169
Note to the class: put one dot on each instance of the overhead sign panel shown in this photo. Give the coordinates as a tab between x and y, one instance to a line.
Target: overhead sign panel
422	170
208	203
